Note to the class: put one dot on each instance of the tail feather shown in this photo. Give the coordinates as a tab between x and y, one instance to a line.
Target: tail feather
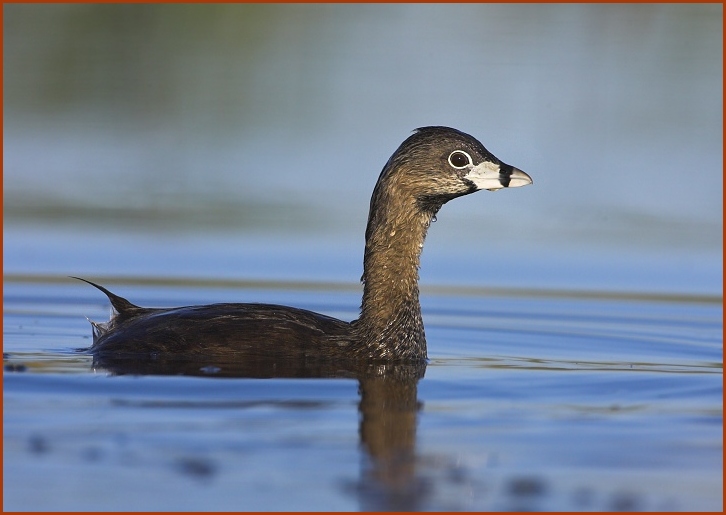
121	305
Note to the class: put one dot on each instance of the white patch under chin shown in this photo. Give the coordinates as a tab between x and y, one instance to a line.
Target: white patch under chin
485	176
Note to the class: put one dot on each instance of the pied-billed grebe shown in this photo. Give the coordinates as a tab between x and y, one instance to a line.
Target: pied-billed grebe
433	166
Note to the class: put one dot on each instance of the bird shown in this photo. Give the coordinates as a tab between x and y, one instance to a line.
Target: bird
432	166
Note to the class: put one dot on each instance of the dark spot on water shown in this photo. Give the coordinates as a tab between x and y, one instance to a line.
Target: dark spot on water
526	487
38	445
526	493
457	475
625	501
198	468
15	367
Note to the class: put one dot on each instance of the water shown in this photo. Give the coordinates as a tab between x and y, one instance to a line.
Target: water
193	154
527	403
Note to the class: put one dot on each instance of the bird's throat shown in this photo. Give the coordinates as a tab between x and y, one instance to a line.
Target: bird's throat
390	321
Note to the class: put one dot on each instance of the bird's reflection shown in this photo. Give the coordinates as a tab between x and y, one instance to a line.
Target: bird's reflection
388	411
389	408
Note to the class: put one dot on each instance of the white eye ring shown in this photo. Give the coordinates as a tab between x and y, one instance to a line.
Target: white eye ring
457	155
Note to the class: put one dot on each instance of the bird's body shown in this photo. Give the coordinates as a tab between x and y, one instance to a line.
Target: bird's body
433	166
218	329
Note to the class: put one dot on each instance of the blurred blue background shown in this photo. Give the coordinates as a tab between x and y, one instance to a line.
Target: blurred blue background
244	140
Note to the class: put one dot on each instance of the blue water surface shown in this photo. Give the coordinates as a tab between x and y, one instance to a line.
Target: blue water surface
526	403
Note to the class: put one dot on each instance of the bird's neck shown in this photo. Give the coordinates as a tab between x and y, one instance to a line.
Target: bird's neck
390	323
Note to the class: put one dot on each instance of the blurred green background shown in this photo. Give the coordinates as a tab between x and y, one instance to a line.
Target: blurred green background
276	120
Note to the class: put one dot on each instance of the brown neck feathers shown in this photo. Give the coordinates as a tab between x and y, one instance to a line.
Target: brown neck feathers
390	323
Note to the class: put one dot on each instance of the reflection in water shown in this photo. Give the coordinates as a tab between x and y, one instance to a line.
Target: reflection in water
532	403
388	413
388	408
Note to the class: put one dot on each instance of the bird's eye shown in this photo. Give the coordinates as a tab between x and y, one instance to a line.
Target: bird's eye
459	159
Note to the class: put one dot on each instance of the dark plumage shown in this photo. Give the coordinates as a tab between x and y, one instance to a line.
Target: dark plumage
431	167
